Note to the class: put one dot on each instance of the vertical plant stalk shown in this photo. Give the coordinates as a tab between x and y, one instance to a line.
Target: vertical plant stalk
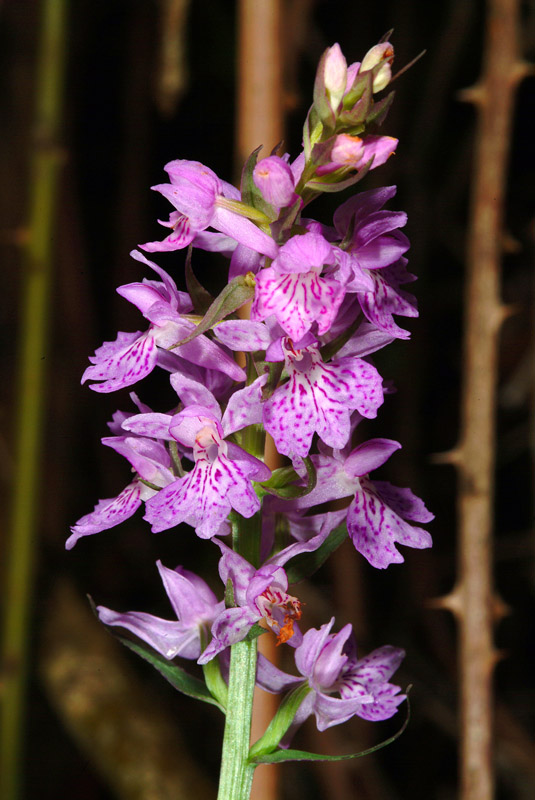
236	774
172	74
260	111
46	162
260	121
472	600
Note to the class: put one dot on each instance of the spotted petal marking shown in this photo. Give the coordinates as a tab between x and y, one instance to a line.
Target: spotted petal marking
109	349
319	398
386	699
375	528
377	667
182	235
204	497
297	300
244	407
403	502
124	366
107	513
388	299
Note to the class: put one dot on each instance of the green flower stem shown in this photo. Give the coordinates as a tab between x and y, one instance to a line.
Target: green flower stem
246	533
47	159
253	440
236	772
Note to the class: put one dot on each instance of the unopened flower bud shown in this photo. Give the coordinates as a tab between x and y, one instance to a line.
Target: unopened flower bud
274	178
381	54
335	75
347	150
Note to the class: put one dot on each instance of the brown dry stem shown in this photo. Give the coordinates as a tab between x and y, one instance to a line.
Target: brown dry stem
172	73
475	455
260	121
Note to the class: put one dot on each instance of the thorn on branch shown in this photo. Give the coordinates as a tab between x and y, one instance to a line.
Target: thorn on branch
510	244
472	94
521	70
500	609
449	602
453	456
503	311
495	657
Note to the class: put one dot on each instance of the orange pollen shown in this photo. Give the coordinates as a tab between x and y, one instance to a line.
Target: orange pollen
285	602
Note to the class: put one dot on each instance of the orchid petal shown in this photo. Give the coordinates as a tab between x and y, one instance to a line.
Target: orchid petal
331	711
378	666
243	231
123	366
303	253
167	637
318	398
369	456
189	595
244	407
154	425
231	626
150	459
403	502
107	514
388	299
297	300
374	528
191	392
243	334
386	700
204	497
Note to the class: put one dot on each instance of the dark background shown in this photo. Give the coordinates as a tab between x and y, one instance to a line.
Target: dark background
117	139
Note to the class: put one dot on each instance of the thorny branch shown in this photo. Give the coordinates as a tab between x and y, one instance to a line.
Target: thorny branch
472	601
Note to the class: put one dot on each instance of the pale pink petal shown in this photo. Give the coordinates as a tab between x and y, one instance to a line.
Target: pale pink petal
107	514
403	502
168	637
297	300
125	367
386	699
319	398
204	497
191	392
153	424
369	455
388	299
243	334
375	528
244	407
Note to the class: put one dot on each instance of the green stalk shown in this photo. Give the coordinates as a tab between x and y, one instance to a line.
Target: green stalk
236	774
44	169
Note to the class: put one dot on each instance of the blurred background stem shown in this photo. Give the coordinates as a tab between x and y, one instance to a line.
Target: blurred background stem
260	121
45	162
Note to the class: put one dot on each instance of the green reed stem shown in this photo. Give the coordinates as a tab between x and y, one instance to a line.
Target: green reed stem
46	160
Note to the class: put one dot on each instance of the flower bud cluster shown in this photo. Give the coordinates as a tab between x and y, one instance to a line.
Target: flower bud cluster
324	298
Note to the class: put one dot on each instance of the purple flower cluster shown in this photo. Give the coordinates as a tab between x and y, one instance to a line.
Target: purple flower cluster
324	299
